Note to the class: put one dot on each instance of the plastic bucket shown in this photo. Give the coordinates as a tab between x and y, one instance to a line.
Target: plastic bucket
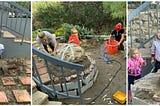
112	46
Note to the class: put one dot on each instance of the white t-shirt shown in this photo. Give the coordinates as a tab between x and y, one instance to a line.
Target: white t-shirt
50	38
155	49
1	49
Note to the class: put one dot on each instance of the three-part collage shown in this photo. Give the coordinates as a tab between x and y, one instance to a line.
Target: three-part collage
79	52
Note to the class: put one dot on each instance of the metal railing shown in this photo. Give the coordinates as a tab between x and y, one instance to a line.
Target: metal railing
14	18
48	59
136	12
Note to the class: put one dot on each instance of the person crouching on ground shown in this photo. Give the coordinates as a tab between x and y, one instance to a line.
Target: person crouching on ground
155	53
44	39
118	33
135	64
1	50
73	38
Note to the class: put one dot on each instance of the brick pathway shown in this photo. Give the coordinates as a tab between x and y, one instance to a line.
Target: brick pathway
16	89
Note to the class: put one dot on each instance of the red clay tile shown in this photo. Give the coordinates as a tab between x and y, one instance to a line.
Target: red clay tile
40	65
22	96
3	97
42	70
8	81
25	80
45	78
28	71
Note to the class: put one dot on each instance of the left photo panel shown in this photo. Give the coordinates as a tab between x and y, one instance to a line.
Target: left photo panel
15	53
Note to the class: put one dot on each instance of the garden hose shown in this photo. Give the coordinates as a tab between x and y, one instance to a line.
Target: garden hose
101	92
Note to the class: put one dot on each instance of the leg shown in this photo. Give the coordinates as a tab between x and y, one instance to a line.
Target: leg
51	45
157	66
45	47
130	81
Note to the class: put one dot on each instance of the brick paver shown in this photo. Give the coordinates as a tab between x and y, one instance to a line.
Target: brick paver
41	68
3	97
8	81
25	80
22	96
45	78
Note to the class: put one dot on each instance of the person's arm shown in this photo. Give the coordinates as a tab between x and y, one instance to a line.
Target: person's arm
111	36
153	48
40	45
121	40
53	40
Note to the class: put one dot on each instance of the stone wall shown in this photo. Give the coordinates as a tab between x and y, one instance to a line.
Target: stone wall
144	26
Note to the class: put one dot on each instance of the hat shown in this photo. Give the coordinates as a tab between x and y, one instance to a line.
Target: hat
118	27
41	34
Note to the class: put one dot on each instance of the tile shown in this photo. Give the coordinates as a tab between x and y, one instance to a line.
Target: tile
3	97
8	81
22	96
25	80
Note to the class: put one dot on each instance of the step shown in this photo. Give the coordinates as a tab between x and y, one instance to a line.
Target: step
24	41
39	98
9	35
54	103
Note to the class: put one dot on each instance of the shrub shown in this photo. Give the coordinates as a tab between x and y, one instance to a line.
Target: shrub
66	31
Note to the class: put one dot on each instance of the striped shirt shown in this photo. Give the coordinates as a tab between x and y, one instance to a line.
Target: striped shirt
155	49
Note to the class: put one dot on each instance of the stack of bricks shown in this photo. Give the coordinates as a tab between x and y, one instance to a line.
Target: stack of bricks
86	80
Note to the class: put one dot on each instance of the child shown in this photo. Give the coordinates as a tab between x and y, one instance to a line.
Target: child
135	63
45	38
74	37
1	50
155	53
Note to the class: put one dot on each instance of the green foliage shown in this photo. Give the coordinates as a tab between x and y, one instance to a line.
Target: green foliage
48	13
92	15
82	31
24	4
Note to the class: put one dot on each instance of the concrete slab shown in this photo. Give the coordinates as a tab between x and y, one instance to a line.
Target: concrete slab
54	103
146	89
72	85
39	98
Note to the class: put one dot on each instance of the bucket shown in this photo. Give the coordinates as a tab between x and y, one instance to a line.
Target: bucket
112	46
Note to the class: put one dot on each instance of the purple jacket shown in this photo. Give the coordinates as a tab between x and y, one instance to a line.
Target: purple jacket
136	64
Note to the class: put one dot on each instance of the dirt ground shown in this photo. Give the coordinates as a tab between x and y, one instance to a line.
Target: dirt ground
106	72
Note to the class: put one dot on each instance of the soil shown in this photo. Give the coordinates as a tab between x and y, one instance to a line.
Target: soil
106	72
145	95
15	73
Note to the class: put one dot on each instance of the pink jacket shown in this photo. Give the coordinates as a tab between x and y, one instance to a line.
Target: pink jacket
136	64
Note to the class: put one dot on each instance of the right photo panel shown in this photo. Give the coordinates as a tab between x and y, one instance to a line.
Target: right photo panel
143	53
